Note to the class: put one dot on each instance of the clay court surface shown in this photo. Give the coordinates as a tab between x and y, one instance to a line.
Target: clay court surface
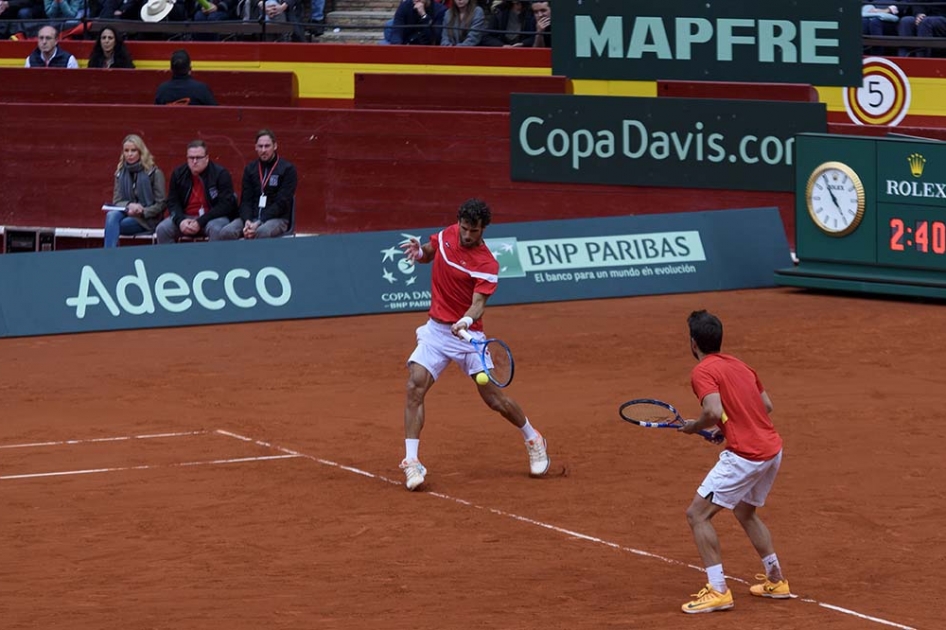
273	499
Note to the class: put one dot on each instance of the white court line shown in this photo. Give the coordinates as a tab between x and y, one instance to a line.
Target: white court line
560	530
92	471
104	439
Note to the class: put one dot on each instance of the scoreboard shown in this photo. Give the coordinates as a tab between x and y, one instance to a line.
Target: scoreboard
870	215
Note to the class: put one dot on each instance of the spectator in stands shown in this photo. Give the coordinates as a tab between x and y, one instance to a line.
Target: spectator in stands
463	25
183	89
139	189
417	22
317	18
511	25
277	11
543	24
10	12
68	11
48	54
121	10
110	51
212	11
878	20
921	21
26	12
201	200
267	195
158	10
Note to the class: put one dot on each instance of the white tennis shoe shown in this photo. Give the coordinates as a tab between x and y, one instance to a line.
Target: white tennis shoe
539	461
414	473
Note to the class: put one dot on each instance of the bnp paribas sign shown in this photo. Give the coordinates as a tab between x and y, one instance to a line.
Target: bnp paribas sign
789	41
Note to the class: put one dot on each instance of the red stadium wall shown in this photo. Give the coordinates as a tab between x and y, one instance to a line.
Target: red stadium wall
359	169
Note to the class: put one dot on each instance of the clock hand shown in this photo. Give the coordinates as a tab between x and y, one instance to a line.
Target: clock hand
830	192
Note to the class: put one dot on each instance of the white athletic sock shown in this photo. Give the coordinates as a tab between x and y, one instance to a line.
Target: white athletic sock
772	569
717	578
410	447
528	432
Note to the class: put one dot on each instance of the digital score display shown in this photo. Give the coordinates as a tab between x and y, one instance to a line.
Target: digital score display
915	236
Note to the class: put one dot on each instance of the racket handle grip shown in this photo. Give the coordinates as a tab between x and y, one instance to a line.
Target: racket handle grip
466	334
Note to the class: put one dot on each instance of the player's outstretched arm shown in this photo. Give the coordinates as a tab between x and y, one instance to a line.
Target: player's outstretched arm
413	250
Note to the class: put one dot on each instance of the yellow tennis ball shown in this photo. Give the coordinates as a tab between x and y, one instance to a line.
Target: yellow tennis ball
482	379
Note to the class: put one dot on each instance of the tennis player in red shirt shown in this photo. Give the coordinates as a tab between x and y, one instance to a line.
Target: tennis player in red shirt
733	400
464	275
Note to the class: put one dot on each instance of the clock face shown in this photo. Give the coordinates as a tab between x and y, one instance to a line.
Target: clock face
835	198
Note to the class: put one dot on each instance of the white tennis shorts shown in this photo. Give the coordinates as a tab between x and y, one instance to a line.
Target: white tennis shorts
734	479
437	347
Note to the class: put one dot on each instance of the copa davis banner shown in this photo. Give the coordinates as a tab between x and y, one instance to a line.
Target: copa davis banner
673	142
353	274
816	42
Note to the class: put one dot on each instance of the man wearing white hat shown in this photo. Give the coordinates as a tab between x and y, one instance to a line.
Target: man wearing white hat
157	10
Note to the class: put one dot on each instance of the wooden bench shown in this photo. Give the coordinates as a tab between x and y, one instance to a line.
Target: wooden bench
137	87
481	93
794	92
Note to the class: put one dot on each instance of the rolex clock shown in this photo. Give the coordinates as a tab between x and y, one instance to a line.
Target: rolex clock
835	198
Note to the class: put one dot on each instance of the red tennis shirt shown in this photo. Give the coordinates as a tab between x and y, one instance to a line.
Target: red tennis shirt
748	429
459	272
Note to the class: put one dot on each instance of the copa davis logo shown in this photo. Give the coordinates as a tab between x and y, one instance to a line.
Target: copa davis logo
135	294
401	273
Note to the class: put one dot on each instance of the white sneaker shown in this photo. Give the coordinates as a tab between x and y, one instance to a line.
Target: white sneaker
414	472
539	461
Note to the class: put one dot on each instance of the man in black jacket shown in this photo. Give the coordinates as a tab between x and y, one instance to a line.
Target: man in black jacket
183	89
201	200
417	22
267	196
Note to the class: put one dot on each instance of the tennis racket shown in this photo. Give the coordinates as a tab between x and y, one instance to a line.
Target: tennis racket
496	358
657	414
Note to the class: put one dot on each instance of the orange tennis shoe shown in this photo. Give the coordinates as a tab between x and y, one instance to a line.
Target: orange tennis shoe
709	600
768	588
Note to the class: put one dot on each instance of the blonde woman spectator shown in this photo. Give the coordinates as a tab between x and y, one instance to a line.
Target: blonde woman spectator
139	190
463	24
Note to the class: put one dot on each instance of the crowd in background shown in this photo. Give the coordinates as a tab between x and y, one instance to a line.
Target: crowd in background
905	19
512	23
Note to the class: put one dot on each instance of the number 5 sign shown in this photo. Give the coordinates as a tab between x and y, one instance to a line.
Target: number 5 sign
883	99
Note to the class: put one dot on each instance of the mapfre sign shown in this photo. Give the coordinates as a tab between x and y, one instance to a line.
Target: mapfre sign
791	41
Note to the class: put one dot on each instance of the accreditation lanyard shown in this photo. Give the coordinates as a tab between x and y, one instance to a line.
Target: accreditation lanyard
262	182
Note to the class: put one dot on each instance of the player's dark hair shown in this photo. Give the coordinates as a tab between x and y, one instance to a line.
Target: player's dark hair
706	330
476	212
266	132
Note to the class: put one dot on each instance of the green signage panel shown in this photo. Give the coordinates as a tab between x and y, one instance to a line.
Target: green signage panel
794	41
674	142
870	215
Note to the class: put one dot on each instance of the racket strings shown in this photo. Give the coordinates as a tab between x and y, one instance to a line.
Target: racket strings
646	412
499	362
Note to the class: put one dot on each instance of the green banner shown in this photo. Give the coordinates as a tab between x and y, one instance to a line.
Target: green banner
674	142
795	41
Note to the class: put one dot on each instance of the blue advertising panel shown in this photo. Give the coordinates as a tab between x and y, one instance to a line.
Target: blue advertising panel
352	274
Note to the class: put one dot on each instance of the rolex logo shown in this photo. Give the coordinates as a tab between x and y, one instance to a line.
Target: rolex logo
917	163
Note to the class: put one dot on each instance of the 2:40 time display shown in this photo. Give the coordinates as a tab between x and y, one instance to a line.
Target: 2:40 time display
923	236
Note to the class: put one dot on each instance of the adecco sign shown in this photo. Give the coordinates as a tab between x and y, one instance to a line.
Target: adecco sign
795	41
